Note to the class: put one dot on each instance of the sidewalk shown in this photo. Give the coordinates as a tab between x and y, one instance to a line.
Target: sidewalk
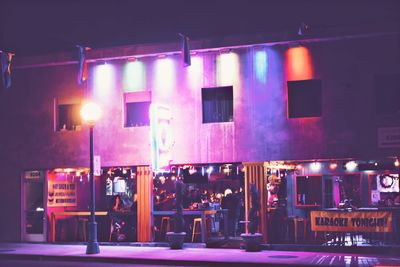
189	256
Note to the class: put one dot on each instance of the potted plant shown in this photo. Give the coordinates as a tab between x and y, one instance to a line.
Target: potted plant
253	239
177	237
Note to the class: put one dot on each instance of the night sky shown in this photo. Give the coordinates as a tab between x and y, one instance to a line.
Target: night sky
42	27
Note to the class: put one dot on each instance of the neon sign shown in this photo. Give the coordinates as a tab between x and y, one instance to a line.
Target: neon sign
161	137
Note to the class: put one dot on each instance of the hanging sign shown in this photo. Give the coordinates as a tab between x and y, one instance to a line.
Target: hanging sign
161	137
351	221
61	194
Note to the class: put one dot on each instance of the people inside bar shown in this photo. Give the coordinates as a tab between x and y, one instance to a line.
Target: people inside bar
299	204
212	191
122	207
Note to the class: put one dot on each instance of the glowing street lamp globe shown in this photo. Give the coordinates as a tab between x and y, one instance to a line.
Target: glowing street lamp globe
90	112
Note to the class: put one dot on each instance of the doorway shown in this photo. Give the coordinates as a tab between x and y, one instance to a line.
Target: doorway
33	207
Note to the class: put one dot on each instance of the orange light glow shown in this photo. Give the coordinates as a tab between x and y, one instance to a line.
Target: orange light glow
333	166
298	64
299	167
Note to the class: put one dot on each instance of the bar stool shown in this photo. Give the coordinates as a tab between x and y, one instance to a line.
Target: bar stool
196	222
111	230
81	225
165	225
296	221
61	231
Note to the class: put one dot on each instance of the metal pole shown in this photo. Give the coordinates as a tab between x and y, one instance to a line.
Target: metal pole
92	245
246	201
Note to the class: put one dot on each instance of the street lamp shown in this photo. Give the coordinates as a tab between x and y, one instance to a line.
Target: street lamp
90	113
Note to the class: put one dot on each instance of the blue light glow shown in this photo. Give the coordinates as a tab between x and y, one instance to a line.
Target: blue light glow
261	66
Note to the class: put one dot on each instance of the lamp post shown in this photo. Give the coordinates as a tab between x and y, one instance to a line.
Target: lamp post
90	113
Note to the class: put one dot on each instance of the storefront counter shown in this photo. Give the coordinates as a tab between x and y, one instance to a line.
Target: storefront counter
199	213
76	214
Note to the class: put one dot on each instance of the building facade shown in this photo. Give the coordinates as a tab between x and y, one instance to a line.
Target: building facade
239	101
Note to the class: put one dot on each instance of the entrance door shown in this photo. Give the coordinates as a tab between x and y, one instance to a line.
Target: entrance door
33	207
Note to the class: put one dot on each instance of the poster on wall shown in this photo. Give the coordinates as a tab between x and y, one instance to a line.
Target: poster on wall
62	194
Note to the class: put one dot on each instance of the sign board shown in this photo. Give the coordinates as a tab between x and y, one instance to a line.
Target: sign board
161	137
33	175
96	166
351	221
62	194
389	137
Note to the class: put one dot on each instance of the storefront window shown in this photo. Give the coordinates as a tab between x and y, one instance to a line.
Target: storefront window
308	190
385	191
213	193
349	189
120	191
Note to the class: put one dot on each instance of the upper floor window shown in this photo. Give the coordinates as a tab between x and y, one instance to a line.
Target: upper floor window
68	117
137	114
136	109
217	104
387	93
304	98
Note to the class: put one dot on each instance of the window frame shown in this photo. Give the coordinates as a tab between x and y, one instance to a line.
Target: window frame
217	101
290	99
134	97
59	102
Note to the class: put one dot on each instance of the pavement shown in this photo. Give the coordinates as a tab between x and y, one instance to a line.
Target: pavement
152	255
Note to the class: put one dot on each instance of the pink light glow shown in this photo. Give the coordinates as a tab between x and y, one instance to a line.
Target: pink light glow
104	80
164	74
195	73
227	69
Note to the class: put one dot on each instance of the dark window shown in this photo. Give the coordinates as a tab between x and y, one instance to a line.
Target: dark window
387	93
308	190
217	104
304	98
328	188
137	114
196	177
69	118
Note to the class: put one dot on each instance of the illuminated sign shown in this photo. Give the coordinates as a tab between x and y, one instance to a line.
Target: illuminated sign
61	194
353	221
161	137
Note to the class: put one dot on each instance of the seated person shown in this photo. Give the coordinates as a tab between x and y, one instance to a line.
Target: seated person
117	221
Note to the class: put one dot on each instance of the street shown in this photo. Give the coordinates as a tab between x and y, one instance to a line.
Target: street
23	254
33	263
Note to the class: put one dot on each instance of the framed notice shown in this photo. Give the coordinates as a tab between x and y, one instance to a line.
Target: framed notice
61	194
389	137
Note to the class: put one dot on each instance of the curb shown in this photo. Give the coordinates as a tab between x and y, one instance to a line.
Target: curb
135	261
